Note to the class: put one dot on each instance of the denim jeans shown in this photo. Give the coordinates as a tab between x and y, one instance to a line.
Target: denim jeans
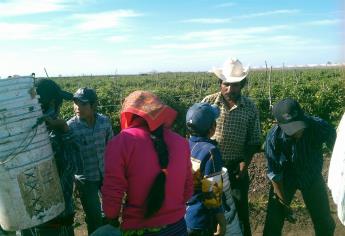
316	200
90	200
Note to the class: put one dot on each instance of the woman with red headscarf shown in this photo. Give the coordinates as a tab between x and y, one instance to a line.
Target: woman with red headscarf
148	177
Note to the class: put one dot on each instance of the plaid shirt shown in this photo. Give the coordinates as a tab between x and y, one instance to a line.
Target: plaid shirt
237	127
92	142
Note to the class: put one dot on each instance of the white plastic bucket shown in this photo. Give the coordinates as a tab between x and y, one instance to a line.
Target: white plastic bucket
30	189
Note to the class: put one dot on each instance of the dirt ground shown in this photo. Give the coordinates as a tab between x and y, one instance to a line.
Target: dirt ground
258	196
259	189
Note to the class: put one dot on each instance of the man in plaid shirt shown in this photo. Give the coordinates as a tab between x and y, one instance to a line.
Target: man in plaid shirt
93	131
237	133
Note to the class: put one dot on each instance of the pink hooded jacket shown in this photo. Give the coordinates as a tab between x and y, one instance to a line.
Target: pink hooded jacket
131	165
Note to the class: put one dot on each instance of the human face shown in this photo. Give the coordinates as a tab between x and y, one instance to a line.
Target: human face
83	110
231	91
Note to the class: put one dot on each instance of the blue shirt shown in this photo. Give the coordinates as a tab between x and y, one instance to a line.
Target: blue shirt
299	161
92	142
206	155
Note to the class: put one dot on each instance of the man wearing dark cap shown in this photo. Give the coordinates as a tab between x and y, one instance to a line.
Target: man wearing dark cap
66	155
294	155
93	131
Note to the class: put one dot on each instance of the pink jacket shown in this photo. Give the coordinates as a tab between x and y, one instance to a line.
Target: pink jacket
131	165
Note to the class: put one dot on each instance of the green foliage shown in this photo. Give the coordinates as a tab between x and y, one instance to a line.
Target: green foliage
321	92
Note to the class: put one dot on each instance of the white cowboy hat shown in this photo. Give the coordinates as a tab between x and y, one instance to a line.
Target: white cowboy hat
232	71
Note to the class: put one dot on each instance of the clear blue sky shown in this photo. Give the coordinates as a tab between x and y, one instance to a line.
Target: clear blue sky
132	36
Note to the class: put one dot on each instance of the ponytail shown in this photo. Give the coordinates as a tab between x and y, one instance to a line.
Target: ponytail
156	196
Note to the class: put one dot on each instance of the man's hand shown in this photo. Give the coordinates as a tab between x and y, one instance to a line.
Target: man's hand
56	124
242	170
221	226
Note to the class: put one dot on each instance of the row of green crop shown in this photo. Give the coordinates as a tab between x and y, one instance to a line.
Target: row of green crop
321	92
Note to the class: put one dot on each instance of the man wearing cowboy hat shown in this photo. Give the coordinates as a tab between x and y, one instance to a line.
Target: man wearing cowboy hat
237	133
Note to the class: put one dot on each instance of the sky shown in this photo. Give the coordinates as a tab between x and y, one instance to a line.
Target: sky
84	37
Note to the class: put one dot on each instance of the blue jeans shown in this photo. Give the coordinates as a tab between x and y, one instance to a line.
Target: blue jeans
90	200
316	200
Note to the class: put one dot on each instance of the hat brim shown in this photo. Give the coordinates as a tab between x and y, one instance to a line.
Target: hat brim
80	99
230	79
293	127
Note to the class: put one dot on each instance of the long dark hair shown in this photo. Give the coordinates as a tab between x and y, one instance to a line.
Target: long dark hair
156	196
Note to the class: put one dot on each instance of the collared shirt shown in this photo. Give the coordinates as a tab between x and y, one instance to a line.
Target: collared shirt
206	161
300	161
92	142
237	127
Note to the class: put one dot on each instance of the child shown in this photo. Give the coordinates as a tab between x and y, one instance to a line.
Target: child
204	209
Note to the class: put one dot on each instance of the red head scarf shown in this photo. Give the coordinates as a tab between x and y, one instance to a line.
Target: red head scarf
148	106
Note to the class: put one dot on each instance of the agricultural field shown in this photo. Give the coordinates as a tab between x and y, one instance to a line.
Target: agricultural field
321	92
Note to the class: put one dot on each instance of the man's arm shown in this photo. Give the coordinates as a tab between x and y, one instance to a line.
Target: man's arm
279	190
272	154
328	133
58	125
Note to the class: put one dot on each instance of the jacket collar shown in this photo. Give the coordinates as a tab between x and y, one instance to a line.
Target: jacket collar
202	139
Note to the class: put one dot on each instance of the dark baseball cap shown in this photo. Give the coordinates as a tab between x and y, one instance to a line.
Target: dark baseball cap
289	115
85	95
47	89
201	116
